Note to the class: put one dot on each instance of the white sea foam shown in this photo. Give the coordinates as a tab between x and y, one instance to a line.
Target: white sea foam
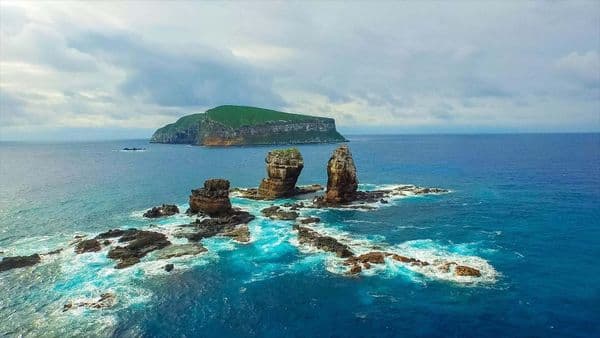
86	276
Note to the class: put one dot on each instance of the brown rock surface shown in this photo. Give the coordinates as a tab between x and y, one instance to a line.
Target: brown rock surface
283	168
342	182
325	243
462	270
161	211
213	199
88	245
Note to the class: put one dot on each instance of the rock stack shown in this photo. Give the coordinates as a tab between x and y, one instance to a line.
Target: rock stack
342	182
213	199
283	168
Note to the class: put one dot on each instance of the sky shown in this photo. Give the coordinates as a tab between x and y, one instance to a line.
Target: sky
102	70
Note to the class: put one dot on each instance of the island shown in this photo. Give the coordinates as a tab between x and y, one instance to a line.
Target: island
242	125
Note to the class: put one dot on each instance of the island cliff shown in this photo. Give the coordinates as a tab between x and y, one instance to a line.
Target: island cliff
241	125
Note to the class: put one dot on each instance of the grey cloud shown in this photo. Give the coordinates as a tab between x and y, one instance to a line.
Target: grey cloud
176	78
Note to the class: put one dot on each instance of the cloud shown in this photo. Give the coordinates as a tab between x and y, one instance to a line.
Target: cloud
531	65
584	67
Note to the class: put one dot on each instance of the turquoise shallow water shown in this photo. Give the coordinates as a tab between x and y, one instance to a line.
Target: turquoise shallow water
525	205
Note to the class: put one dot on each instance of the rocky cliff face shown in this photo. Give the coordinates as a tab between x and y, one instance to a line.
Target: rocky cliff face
342	182
213	199
204	130
283	168
321	130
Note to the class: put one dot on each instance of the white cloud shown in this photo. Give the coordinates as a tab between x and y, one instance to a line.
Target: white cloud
443	66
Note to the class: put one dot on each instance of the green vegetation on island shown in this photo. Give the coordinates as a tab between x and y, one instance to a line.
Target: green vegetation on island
242	125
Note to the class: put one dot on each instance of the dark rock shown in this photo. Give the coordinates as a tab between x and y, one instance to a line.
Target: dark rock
126	262
325	243
283	168
140	243
240	234
275	212
88	245
106	300
53	252
462	270
219	226
9	263
382	201
161	211
169	267
181	250
267	212
309	220
114	233
374	257
213	199
411	261
355	269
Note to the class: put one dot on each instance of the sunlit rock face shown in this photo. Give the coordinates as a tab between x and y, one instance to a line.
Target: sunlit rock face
213	199
342	182
283	168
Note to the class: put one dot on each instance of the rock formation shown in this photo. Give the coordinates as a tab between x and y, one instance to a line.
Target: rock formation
9	263
275	212
106	300
139	244
283	168
213	199
190	249
228	225
161	211
88	245
342	182
325	243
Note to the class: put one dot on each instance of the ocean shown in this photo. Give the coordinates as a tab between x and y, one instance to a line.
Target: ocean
523	208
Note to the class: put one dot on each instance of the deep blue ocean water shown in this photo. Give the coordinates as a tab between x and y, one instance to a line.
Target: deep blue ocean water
527	205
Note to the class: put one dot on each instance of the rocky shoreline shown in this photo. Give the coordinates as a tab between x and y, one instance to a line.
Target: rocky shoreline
216	216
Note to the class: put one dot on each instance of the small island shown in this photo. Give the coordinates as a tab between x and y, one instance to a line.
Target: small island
243	125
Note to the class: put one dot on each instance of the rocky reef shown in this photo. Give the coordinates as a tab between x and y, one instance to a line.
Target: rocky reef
162	211
213	199
365	261
9	263
231	225
139	244
107	299
325	243
283	168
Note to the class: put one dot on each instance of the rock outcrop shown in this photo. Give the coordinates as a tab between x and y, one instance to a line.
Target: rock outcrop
462	270
342	182
190	249
224	225
162	211
275	212
9	263
139	244
106	300
88	245
283	168
213	199
325	243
